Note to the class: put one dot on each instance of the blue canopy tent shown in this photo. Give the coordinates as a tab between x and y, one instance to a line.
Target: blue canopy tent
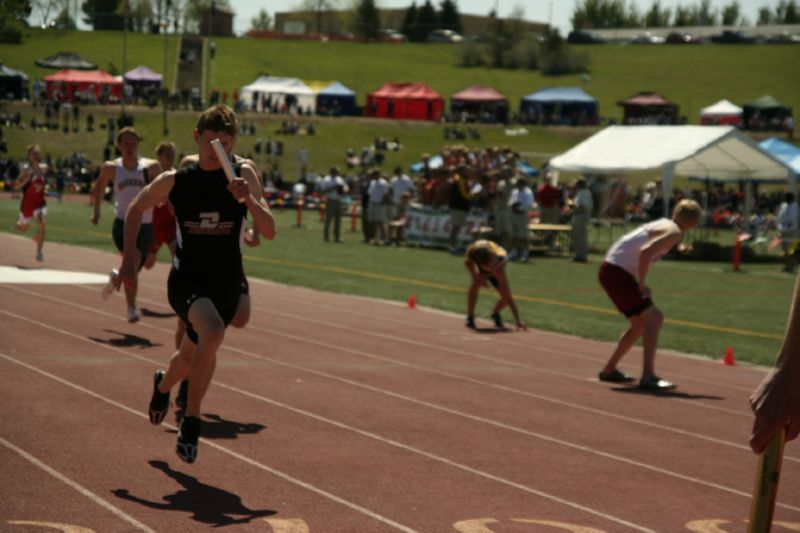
437	161
786	152
336	99
559	105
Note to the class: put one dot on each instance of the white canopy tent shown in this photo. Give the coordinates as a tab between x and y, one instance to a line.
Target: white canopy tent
723	107
274	89
715	152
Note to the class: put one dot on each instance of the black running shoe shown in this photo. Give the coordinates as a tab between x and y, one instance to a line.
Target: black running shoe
159	403
188	435
183	394
498	321
470	322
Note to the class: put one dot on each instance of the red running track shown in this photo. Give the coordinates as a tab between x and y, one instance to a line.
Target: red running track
333	413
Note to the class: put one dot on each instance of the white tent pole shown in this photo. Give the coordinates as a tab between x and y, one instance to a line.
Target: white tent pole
748	199
667	175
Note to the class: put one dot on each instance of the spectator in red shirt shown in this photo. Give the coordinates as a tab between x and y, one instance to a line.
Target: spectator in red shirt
549	198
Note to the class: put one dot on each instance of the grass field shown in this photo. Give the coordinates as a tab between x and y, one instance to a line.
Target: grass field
692	76
708	307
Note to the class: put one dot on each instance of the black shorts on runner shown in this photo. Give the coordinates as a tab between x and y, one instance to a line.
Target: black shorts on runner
143	240
183	291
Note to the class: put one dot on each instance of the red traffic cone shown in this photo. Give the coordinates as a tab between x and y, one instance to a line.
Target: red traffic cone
729	360
412	301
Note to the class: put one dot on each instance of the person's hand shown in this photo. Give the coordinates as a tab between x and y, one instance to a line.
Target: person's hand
483	281
95	218
239	189
128	271
645	291
252	238
764	428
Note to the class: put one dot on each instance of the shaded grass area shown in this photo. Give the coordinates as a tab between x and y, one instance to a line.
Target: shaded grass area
708	307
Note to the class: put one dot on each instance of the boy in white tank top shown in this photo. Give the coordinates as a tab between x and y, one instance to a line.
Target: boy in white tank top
623	275
129	174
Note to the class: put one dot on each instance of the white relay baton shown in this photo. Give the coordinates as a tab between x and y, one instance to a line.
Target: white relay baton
226	163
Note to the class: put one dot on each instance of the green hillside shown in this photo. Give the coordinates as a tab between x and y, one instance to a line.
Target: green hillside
692	76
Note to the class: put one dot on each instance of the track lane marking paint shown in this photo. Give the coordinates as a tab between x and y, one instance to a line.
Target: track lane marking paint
586	449
116	511
311	415
212	444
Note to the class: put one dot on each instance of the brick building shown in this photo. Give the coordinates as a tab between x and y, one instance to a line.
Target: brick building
220	23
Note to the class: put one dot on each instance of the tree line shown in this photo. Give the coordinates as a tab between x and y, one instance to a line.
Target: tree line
601	14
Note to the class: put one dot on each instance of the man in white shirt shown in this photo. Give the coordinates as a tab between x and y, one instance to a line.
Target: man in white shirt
332	187
520	201
377	214
788	214
582	208
400	185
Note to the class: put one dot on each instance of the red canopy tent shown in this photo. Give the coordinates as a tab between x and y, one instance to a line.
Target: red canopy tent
479	93
482	101
649	108
414	101
68	82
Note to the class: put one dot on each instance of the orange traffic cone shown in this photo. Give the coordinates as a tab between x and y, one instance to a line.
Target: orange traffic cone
412	301
729	360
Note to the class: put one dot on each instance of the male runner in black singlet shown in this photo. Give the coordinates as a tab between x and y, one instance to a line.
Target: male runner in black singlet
204	283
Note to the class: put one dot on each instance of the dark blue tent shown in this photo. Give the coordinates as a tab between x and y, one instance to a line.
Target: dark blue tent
559	105
13	83
336	99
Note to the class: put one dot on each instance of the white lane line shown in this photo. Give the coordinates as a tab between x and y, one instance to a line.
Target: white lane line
437	407
207	442
479	382
373	436
563	337
116	511
460	352
534	369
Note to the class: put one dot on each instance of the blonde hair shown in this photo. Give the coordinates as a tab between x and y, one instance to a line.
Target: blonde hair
165	145
128	130
31	148
687	211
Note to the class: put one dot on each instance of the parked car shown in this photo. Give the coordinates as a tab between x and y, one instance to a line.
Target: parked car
444	36
647	38
733	37
391	36
584	37
681	37
783	38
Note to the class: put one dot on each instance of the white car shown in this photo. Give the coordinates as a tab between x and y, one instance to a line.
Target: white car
444	36
648	38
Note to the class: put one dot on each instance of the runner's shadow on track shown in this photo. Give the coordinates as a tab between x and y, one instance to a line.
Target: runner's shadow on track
667	394
209	505
155	314
125	340
216	427
492	331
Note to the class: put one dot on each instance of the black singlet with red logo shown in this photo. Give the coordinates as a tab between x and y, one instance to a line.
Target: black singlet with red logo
210	223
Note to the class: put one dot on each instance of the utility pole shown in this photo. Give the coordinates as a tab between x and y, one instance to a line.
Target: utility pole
165	89
124	50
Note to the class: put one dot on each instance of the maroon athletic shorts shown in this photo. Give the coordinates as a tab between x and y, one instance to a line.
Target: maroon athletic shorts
623	289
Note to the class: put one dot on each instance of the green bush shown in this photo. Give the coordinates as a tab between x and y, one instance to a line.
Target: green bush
10	31
470	54
564	61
